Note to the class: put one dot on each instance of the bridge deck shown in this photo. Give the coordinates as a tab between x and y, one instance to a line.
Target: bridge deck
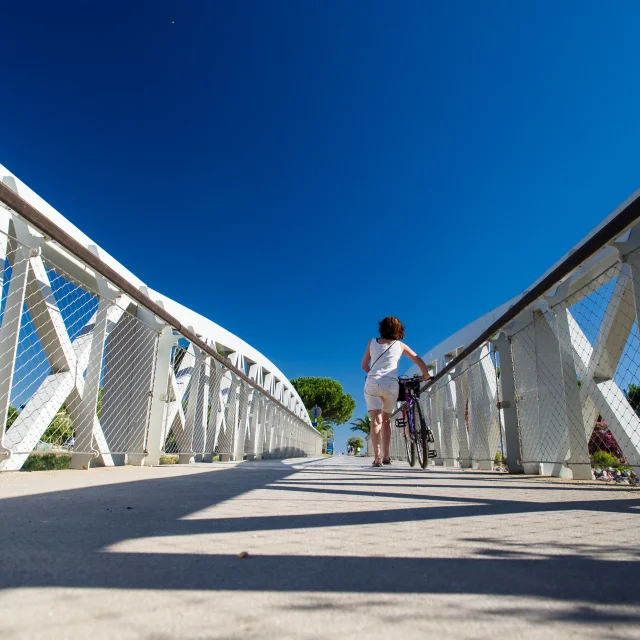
336	549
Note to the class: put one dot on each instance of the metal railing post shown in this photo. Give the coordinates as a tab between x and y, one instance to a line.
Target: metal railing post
508	404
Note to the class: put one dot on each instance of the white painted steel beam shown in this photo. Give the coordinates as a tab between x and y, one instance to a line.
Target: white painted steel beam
202	326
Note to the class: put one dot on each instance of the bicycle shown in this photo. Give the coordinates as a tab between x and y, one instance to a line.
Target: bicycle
417	435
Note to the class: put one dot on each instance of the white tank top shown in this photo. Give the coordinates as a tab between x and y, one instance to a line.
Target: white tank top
384	358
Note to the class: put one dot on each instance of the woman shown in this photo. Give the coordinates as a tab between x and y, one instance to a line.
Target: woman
380	362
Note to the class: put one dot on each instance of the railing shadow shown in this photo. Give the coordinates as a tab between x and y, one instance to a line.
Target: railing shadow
67	539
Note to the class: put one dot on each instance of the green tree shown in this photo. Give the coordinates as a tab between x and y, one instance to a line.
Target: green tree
356	443
61	428
337	406
633	395
362	424
12	414
99	404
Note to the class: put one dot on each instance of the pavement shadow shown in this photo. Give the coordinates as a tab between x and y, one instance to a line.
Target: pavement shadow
58	539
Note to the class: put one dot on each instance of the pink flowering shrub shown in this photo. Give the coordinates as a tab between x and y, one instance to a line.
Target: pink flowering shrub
602	440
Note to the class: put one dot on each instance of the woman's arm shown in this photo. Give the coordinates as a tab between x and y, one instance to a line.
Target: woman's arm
366	359
416	359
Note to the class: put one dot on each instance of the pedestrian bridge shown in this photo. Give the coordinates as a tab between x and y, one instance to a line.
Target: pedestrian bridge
95	363
525	522
334	548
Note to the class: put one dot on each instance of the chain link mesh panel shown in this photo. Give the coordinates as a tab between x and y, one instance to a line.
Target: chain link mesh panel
76	366
462	412
127	380
212	412
485	436
77	372
188	402
577	371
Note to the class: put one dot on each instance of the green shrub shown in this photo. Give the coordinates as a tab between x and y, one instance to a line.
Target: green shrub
60	429
603	460
498	459
169	459
47	462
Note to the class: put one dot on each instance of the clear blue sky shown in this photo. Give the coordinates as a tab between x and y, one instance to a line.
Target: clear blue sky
278	165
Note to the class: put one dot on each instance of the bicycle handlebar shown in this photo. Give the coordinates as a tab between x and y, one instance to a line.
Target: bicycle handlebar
415	376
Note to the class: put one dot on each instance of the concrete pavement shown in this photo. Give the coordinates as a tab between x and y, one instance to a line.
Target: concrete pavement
336	550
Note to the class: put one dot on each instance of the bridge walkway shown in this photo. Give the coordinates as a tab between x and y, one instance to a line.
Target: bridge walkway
335	549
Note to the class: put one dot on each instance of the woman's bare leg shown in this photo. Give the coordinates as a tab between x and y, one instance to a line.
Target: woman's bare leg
386	435
376	426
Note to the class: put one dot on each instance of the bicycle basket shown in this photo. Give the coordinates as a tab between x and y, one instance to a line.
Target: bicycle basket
407	385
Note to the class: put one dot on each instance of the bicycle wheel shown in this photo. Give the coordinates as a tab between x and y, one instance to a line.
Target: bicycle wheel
411	449
408	440
422	442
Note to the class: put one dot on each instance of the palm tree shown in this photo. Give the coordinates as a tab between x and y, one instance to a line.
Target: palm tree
325	428
362	424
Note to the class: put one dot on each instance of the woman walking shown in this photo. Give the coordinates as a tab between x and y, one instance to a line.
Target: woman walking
380	362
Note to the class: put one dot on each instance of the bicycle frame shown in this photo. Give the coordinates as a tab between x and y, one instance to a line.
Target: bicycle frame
418	435
409	417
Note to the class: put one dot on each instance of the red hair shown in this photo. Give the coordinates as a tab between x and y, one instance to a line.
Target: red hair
391	328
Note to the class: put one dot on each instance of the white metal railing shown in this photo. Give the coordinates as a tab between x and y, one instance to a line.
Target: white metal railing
94	363
546	384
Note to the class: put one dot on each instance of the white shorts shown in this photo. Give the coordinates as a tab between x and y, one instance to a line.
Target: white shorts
381	394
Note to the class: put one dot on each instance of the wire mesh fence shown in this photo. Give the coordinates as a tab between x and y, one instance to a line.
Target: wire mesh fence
577	375
76	366
486	444
188	402
211	412
79	370
462	412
